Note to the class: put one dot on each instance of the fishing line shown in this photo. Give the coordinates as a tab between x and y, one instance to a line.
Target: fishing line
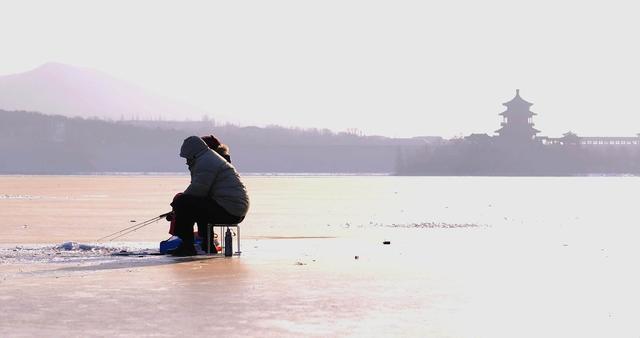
128	228
132	228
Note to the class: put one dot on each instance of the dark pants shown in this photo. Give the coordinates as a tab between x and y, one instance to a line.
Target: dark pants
191	209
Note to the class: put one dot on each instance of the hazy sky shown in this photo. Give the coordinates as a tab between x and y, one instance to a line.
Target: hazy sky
397	68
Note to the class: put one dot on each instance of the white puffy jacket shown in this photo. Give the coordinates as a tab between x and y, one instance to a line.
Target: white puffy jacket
213	176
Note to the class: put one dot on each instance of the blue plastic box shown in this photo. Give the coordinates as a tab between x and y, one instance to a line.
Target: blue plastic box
169	244
173	243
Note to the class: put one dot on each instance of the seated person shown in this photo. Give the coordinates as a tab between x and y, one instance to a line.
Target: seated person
216	194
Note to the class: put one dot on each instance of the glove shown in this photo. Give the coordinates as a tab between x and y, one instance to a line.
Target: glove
170	216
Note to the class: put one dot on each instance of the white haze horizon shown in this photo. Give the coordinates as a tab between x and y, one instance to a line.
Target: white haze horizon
392	68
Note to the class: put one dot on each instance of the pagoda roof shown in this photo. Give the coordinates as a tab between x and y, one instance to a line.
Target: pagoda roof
530	113
517	102
504	128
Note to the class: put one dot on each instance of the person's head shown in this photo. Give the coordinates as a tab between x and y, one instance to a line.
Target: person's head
214	144
211	141
191	148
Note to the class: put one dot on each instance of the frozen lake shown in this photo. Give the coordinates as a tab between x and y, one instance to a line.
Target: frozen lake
469	256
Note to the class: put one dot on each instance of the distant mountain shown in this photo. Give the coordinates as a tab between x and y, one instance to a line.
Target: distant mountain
56	88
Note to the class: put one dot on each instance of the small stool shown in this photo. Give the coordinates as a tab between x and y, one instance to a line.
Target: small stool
223	227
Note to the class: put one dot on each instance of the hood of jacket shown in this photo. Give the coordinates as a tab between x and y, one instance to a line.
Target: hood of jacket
192	147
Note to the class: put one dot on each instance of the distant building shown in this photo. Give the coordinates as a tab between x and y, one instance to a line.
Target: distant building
478	138
517	123
517	150
517	128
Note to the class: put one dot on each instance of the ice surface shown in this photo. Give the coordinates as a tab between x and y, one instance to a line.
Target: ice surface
76	246
70	251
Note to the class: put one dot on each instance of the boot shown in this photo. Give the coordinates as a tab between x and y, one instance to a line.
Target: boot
185	232
184	250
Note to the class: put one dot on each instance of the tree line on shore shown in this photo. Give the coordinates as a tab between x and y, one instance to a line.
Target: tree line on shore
495	158
34	143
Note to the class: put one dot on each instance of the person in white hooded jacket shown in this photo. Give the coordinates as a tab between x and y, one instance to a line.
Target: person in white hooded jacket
216	193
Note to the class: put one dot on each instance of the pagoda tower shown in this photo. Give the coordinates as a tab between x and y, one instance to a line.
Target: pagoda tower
517	121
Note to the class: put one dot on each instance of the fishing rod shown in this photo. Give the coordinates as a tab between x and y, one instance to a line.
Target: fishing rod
132	228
